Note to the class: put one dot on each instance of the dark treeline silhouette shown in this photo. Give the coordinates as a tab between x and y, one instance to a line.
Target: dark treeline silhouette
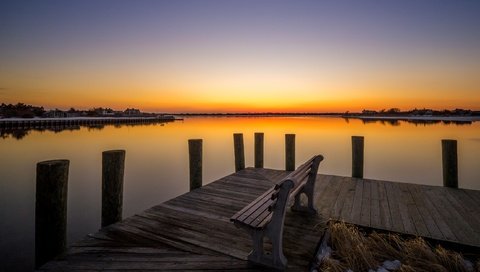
416	112
395	116
21	110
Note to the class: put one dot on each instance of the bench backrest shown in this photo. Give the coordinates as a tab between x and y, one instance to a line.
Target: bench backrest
290	186
304	174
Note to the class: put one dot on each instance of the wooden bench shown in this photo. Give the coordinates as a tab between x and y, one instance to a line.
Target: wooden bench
264	216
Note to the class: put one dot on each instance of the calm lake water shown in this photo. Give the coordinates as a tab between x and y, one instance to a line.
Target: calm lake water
157	163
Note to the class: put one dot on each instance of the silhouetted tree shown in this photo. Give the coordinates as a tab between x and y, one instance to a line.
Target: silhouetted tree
393	111
20	110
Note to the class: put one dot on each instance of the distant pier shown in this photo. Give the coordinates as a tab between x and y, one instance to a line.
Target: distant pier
19	123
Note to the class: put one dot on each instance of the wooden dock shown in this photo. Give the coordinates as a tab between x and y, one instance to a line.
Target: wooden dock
192	232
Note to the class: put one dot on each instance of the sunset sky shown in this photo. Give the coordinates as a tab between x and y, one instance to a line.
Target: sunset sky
241	56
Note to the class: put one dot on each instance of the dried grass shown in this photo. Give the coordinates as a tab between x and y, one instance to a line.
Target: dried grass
388	246
451	260
354	250
351	248
407	268
332	265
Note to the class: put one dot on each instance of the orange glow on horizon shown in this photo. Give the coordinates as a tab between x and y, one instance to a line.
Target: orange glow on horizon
351	105
247	102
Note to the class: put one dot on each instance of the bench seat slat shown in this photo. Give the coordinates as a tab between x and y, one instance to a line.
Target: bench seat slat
257	221
252	218
254	215
247	210
260	221
265	221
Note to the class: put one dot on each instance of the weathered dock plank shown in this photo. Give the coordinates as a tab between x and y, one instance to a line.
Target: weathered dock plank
393	198
342	196
357	202
346	212
375	204
413	212
327	197
425	211
365	211
385	215
192	232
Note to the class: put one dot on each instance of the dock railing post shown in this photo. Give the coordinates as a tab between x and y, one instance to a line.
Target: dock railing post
357	156
113	167
50	210
239	151
195	162
290	152
450	163
258	150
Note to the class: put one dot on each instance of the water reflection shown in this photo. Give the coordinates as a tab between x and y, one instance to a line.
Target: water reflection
381	121
156	166
398	122
20	133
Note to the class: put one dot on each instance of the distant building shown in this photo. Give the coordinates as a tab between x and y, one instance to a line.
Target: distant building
462	112
132	112
107	112
56	114
369	112
73	114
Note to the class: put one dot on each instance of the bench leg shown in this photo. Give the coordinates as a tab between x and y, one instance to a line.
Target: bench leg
310	208
257	253
278	259
309	193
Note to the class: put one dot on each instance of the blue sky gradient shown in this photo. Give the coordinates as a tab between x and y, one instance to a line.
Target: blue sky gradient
218	55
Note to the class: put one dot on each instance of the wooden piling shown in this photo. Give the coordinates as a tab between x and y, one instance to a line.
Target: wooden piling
113	166
239	151
50	210
290	152
195	160
450	163
357	156
258	150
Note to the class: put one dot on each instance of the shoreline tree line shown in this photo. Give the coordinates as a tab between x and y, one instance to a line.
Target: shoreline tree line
21	110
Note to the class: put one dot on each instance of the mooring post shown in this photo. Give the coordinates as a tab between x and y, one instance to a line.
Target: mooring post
258	150
195	161
113	167
450	163
50	210
290	152
239	151
357	156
